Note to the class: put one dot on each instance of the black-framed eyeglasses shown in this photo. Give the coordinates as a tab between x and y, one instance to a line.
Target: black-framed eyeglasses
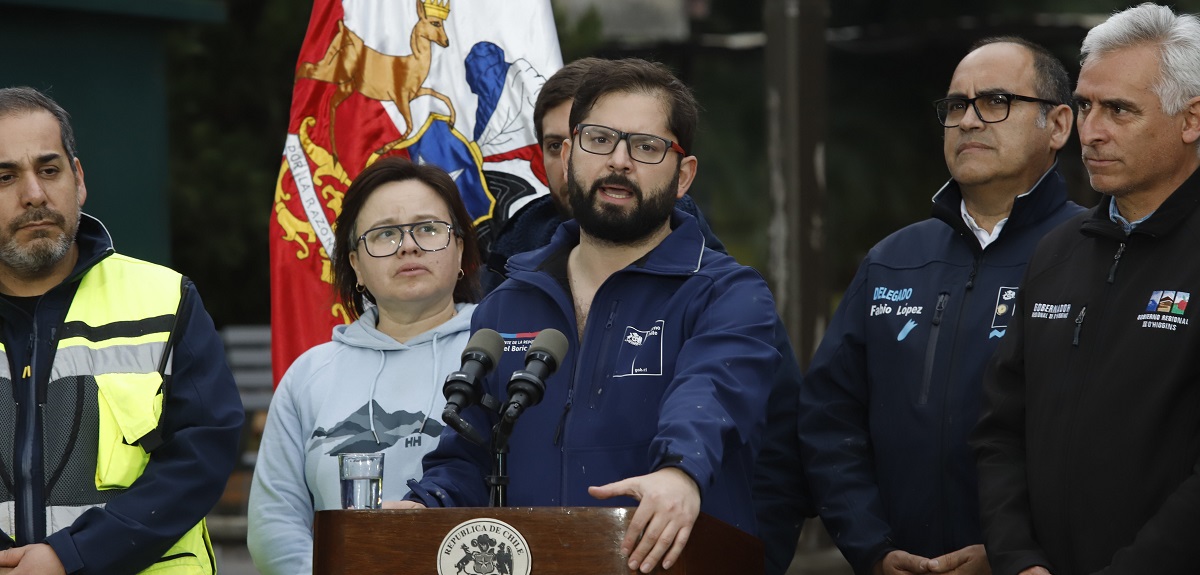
430	236
644	148
989	108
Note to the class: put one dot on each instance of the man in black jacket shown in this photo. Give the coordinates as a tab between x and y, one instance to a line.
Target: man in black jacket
893	390
1090	436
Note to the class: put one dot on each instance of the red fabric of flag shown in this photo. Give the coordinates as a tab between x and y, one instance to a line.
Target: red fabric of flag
448	82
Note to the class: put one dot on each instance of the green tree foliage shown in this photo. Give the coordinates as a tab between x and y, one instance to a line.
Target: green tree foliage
230	92
731	184
581	38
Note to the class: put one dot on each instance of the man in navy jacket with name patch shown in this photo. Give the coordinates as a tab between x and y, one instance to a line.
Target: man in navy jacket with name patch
894	388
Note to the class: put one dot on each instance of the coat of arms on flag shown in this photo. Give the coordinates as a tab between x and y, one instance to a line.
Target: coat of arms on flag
446	82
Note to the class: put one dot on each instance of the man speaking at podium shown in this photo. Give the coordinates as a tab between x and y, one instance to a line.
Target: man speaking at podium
661	397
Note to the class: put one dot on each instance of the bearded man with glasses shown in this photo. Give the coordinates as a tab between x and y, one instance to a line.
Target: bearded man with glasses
894	388
780	489
662	398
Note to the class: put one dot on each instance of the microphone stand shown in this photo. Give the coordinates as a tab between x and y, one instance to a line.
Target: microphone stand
525	389
497	480
455	420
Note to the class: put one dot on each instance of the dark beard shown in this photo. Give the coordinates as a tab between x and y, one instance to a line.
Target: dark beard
610	223
37	257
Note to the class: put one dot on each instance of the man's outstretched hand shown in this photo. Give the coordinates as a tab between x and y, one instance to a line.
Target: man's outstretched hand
669	502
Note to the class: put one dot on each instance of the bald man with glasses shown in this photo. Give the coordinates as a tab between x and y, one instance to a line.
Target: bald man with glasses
894	388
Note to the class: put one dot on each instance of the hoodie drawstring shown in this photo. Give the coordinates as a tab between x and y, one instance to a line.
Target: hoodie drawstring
371	399
433	397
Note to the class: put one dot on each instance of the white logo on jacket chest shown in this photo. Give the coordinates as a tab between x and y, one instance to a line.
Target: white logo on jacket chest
1051	310
1166	310
1005	308
641	351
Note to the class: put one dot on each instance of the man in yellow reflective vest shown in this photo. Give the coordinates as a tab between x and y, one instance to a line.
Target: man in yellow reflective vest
119	418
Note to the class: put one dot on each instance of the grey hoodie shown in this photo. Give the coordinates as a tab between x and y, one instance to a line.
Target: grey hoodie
362	392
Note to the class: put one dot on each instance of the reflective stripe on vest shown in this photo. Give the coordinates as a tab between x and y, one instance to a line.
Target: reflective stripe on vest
114	337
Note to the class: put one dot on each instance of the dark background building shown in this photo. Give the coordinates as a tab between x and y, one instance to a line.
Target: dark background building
105	61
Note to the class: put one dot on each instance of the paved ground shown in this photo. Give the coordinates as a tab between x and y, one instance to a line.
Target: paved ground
816	555
234	560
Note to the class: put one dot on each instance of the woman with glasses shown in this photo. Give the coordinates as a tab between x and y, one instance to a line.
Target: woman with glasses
405	270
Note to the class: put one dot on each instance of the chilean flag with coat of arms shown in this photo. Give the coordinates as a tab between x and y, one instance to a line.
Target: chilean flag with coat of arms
446	82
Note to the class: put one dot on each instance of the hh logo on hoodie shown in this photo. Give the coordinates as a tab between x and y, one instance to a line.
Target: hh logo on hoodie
641	351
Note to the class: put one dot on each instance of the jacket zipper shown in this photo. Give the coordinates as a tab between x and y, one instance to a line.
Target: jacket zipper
931	347
943	502
1070	428
561	429
29	511
594	395
1112	272
562	419
1079	325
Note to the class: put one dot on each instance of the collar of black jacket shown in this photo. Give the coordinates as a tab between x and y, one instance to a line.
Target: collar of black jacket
1046	196
1177	208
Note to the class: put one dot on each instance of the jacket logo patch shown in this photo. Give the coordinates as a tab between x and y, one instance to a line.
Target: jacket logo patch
1172	302
1165	310
904	330
518	342
1004	309
1051	311
641	351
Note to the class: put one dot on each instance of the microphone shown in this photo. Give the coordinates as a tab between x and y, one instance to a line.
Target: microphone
527	386
464	388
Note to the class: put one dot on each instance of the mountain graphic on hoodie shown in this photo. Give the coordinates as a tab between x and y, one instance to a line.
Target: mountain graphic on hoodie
354	432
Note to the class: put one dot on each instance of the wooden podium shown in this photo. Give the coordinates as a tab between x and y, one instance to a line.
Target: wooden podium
537	540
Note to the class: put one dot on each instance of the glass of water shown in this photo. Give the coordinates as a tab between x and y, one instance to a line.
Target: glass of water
362	480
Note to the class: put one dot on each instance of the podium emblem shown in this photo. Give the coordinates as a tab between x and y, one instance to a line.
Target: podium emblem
484	546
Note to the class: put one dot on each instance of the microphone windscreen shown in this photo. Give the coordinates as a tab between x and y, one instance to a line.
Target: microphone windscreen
487	342
551	342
